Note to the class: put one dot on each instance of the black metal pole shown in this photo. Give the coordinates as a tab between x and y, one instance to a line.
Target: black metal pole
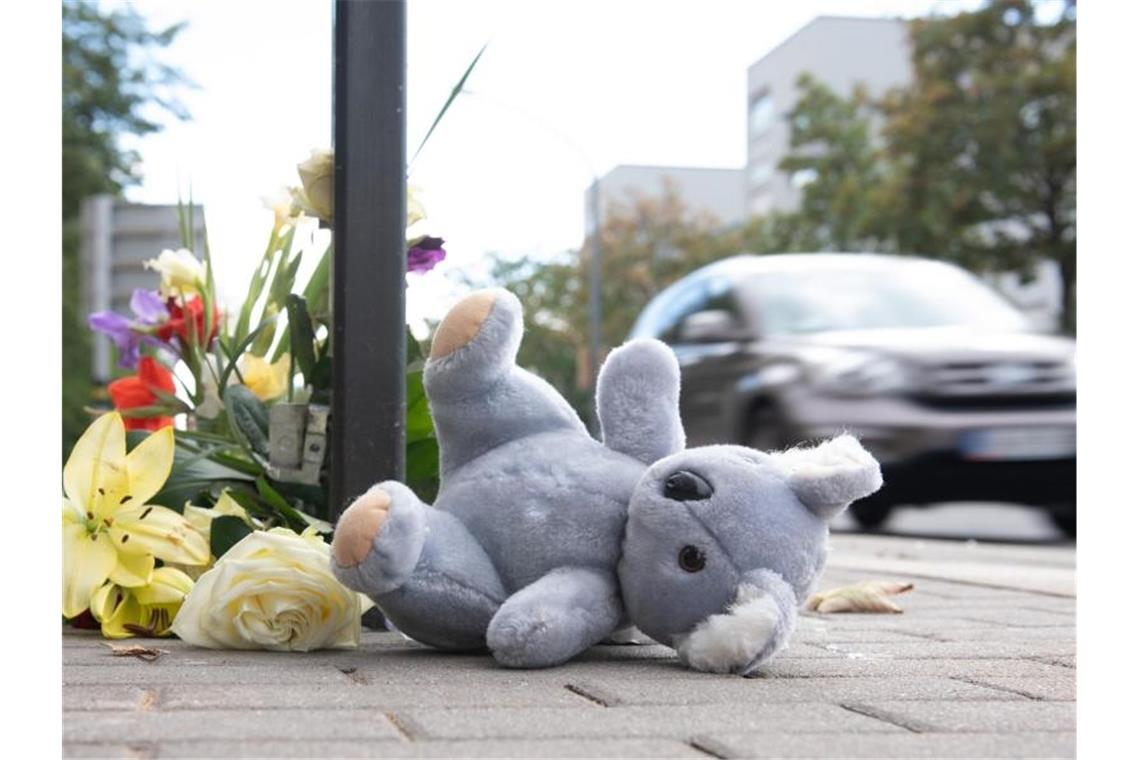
369	265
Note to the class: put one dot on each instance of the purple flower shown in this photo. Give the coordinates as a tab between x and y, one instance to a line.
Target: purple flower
148	306
425	253
128	334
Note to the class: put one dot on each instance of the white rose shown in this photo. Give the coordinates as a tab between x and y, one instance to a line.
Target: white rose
182	273
316	174
271	590
315	196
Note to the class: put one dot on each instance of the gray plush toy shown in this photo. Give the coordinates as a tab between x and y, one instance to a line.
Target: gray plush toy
544	542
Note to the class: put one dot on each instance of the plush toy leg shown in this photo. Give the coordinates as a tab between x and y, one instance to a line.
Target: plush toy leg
555	618
420	565
639	388
479	398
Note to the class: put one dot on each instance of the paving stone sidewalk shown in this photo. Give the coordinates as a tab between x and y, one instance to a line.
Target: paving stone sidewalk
981	664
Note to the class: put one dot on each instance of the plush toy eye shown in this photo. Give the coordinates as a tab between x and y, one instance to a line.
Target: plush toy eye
691	559
686	486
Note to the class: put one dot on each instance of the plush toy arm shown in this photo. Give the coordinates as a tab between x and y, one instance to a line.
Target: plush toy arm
558	616
639	390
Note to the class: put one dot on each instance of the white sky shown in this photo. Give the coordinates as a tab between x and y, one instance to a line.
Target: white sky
565	89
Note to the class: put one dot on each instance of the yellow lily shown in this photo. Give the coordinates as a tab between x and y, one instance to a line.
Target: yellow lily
145	611
109	530
267	381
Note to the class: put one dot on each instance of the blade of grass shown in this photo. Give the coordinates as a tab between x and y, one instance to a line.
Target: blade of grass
451	98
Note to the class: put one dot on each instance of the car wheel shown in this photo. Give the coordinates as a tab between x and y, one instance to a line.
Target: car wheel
870	515
1066	520
765	429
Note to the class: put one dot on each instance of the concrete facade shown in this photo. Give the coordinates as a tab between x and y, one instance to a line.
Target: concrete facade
838	51
719	192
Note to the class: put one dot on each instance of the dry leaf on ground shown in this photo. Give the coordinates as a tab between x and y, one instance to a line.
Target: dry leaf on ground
147	654
868	596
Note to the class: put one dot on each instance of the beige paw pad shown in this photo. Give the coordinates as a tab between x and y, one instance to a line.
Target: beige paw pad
358	526
462	323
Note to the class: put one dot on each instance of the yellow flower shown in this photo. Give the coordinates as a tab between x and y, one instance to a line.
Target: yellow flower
316	195
267	381
271	590
109	531
182	273
200	519
144	611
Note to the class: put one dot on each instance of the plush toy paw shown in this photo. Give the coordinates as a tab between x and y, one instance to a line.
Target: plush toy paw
359	525
462	323
378	539
555	618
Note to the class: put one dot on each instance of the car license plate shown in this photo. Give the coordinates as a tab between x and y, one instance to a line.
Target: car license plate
1019	443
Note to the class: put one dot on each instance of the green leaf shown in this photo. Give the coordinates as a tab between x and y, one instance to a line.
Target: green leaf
301	335
249	419
282	284
225	531
316	293
278	502
240	349
422	468
418	422
454	94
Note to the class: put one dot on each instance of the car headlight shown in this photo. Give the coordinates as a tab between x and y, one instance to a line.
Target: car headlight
861	375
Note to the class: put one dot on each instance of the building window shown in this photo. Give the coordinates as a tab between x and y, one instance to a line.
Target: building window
760	114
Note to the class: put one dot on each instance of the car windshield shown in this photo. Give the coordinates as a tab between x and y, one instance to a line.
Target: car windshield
910	294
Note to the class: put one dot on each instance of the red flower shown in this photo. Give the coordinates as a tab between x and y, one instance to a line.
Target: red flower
177	324
139	391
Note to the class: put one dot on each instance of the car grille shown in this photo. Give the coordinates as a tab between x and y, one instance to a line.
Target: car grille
1000	401
1007	384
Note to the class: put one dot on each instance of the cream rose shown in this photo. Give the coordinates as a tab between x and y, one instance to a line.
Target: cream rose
316	174
316	194
271	590
182	273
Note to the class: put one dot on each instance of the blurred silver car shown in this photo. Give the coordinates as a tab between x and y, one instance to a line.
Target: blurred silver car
942	379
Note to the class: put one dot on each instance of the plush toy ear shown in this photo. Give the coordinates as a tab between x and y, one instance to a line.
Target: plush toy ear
828	477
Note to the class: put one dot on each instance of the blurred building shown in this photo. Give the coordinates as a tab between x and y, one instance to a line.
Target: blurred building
838	51
718	192
117	237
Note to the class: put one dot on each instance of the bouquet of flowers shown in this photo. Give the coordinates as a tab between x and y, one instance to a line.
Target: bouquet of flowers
199	506
210	477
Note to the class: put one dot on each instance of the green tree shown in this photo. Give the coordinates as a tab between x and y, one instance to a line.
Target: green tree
113	85
647	244
981	146
975	161
553	343
832	156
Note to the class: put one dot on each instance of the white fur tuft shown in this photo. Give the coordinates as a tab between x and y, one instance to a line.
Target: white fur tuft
728	642
831	475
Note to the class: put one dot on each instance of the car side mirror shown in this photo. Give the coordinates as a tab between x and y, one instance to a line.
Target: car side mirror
712	326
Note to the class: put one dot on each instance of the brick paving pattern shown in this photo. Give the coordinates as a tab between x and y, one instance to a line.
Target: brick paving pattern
979	665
